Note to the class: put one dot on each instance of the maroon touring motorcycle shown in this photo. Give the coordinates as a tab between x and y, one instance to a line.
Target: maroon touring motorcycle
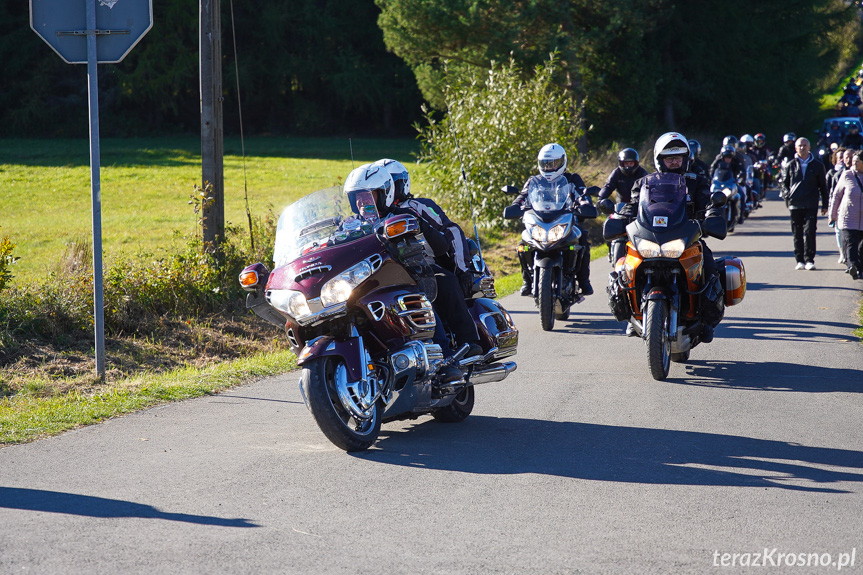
354	294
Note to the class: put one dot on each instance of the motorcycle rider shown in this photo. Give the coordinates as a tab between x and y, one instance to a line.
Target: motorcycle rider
853	139
449	303
696	164
551	161
762	153
671	155
787	151
457	256
620	180
727	155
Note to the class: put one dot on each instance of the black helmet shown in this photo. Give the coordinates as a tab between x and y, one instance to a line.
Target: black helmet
727	151
627	155
695	148
789	137
730	141
760	140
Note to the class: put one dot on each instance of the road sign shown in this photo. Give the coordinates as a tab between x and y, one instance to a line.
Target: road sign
120	24
93	32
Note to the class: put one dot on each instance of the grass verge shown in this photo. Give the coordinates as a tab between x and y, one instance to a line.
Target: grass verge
25	417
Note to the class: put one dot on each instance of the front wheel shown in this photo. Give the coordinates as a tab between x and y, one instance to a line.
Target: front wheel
656	335
545	298
343	410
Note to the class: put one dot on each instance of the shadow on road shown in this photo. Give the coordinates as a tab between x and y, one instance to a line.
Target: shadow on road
771	376
756	286
785	329
88	506
490	445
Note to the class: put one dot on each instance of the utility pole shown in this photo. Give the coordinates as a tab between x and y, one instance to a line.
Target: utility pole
212	133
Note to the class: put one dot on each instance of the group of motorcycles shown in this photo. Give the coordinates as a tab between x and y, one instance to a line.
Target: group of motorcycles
356	302
744	194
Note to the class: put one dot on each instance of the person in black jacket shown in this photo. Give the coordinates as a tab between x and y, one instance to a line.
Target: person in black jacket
786	152
388	199
803	182
620	180
552	165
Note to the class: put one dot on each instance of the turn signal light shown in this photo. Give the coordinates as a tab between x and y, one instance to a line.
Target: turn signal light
249	278
397	228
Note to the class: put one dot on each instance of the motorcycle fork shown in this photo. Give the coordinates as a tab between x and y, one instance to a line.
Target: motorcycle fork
672	297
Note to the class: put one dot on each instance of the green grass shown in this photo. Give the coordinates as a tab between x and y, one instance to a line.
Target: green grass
26	416
146	185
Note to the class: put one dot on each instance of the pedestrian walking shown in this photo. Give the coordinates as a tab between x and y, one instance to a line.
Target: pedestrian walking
846	210
803	182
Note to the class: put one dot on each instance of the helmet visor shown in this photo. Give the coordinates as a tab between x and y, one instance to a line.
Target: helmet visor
551	164
363	203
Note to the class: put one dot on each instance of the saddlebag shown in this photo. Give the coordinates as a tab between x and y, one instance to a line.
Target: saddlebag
733	278
618	300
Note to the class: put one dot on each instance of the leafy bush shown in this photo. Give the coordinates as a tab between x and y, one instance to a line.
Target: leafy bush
190	283
497	123
6	261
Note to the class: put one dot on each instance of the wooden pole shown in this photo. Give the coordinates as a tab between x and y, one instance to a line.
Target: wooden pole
212	145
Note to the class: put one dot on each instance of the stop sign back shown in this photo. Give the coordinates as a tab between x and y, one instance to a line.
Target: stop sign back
120	24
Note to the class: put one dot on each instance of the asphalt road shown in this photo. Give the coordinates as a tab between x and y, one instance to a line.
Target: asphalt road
578	463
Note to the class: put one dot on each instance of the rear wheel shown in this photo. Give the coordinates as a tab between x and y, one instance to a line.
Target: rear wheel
342	409
546	299
459	409
658	344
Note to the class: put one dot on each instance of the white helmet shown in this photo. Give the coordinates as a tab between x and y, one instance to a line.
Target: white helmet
747	141
400	175
551	161
670	144
371	178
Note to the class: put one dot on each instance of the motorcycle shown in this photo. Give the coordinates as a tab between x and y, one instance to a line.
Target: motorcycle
723	182
354	295
660	287
552	233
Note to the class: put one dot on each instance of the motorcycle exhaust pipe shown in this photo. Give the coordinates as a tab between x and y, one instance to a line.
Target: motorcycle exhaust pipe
492	373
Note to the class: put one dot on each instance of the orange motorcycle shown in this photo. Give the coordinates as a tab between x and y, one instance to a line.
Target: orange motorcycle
659	285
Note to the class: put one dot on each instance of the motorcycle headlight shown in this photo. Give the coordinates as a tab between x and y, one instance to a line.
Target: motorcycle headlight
557	233
340	287
672	249
538	234
647	249
289	301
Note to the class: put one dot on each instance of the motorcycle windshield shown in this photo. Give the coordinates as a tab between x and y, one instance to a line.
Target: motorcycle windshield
662	201
317	221
722	178
545	196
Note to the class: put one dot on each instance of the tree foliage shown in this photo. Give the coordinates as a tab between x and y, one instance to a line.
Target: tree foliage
496	123
314	67
643	65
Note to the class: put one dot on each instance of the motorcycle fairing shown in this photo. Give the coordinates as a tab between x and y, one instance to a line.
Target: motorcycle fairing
350	350
662	201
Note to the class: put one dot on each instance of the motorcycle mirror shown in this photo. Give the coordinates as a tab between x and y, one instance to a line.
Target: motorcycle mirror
512	212
605	206
509	190
718	199
592	191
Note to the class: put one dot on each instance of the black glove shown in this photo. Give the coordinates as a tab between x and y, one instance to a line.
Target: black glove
465	280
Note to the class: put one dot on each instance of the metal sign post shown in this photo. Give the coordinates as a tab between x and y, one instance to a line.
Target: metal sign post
62	24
